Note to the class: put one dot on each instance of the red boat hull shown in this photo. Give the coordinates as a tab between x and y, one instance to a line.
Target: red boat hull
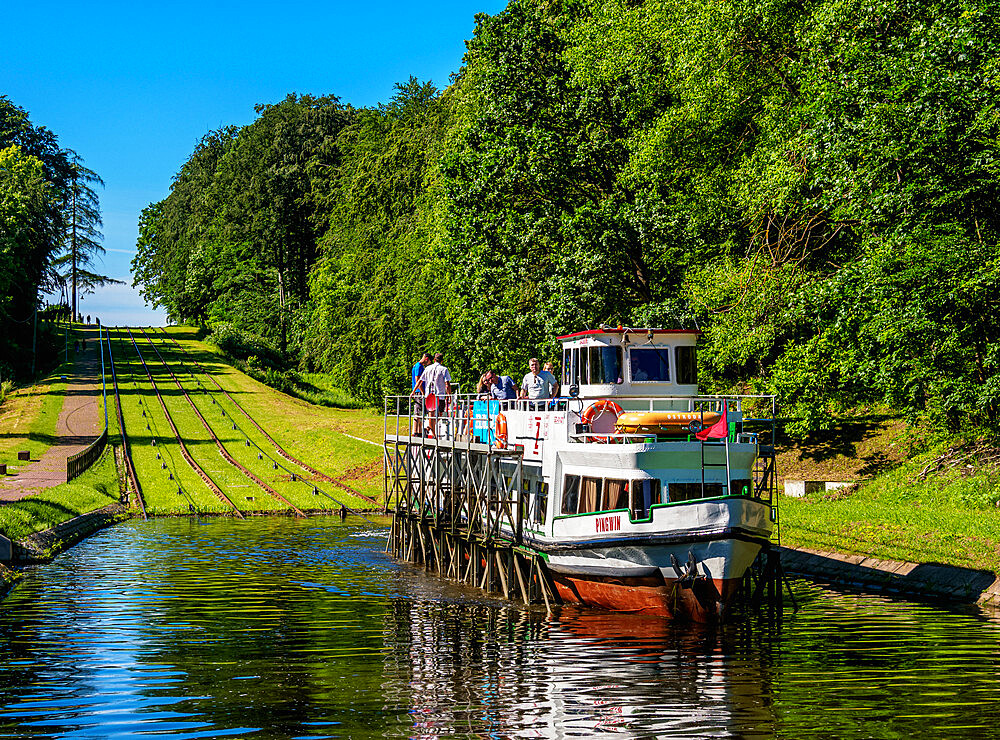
701	600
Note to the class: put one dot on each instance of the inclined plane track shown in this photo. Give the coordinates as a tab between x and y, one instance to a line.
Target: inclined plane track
278	448
215	438
184	450
163	454
126	444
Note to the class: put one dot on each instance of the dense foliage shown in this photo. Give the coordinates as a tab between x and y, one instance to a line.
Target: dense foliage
49	230
814	184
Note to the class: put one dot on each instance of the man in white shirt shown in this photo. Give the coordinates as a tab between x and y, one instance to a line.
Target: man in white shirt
537	384
435	381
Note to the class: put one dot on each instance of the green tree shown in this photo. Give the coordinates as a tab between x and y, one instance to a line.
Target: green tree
82	244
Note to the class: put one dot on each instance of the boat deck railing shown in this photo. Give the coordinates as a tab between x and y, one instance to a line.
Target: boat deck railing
471	418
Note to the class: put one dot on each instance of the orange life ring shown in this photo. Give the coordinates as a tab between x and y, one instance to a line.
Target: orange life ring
501	435
596	409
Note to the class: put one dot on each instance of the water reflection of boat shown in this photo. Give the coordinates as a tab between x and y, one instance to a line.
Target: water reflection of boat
477	666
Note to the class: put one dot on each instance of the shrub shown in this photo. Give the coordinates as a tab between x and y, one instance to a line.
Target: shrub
5	388
243	345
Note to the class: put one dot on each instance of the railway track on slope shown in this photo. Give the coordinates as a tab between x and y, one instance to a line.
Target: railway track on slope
278	448
126	444
218	443
184	450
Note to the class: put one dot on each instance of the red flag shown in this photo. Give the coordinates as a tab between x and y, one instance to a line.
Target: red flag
719	430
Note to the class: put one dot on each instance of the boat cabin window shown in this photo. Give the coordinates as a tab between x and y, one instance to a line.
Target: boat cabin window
571	494
693	491
590	494
687	365
615	494
649	364
585	495
541	501
644	493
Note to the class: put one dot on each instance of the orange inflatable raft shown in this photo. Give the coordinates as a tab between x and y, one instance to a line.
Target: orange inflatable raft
665	422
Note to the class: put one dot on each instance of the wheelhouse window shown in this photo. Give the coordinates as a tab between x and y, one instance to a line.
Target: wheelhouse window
592	365
687	365
649	364
601	365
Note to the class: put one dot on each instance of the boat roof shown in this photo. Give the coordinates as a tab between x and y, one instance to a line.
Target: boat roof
626	329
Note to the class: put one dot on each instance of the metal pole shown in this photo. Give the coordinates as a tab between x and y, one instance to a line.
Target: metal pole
34	339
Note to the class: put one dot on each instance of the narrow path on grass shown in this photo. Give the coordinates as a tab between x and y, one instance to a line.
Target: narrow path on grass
78	425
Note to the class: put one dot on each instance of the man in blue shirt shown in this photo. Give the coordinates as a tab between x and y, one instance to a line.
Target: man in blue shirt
418	369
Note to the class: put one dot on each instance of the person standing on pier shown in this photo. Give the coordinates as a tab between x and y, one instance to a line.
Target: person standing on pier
418	369
435	382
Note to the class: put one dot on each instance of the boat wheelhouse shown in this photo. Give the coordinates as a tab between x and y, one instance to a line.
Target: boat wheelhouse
639	493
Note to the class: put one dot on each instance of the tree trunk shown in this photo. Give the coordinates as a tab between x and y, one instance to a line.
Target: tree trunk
72	246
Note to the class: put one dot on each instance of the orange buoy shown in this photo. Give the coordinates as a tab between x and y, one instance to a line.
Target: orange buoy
501	435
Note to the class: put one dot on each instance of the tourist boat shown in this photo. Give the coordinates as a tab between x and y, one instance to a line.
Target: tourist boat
640	494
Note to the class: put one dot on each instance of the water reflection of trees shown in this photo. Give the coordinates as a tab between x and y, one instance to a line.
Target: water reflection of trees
485	668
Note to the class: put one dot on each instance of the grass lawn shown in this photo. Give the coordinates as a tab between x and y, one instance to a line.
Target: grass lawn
356	463
94	489
155	464
949	517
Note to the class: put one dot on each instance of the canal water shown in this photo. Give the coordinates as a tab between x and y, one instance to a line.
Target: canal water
284	628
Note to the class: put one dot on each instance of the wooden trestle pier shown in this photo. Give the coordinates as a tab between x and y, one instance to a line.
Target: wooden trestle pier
459	513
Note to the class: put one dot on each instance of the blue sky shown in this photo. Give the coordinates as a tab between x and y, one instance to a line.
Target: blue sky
133	86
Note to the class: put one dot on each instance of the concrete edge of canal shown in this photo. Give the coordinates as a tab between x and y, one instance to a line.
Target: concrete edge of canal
921	580
45	545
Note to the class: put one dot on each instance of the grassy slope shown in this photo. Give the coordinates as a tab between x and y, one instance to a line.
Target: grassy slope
315	434
892	513
145	423
307	432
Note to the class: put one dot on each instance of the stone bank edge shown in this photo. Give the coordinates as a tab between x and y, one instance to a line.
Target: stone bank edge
921	580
